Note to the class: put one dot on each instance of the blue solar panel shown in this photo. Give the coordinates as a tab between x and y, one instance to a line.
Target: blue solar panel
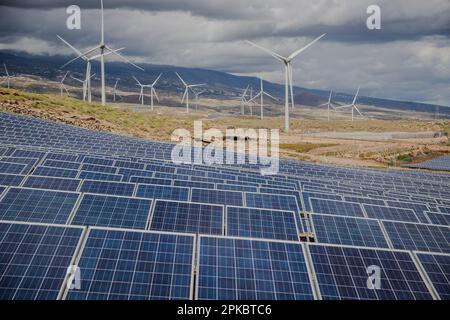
262	223
98	168
272	201
236	187
390	213
439	218
217	196
10	179
162	192
12	168
112	211
132	265
61	156
340	208
193	184
30	162
98	161
34	260
100	176
108	187
148	180
437	267
307	195
341	273
55	172
244	269
61	164
32	205
420	237
444	209
348	231
418	208
187	217
64	184
365	200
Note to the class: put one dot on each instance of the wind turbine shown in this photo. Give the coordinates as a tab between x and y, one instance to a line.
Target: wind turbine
329	105
62	86
88	60
197	94
85	85
7	75
104	50
244	101
288	74
186	91
152	90
261	95
352	105
115	90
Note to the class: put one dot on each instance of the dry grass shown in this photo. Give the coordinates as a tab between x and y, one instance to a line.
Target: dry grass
305	147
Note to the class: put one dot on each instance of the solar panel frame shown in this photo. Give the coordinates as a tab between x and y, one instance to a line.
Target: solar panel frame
168	192
342	203
51	183
65	276
152	218
54	172
308	273
108	187
436	276
12	180
223	197
93	229
293	206
438	218
389	213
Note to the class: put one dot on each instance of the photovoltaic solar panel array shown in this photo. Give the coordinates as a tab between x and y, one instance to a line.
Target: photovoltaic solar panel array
91	215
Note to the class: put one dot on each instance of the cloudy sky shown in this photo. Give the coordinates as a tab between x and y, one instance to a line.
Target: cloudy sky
409	58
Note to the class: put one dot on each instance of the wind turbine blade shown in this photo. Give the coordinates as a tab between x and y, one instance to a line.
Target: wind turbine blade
105	54
245	92
78	52
358	111
296	53
356	95
92	76
329	98
64	78
197	85
79	80
156	95
291	85
6	70
123	58
184	95
273	54
156	79
270	96
80	56
185	84
103	23
137	80
344	106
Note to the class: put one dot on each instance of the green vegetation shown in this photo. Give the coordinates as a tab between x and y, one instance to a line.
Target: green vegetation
404	158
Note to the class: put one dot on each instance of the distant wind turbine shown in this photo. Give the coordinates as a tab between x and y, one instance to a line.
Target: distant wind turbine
197	94
288	74
88	59
62	86
186	91
115	90
7	75
152	90
329	105
261	95
104	50
85	85
243	99
352	105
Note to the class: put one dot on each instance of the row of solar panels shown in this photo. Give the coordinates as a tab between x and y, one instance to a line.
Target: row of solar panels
63	262
440	163
45	206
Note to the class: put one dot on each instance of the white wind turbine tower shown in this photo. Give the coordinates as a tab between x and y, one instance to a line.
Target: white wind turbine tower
329	105
243	100
104	50
288	74
62	86
85	85
152	90
7	75
197	94
88	60
115	90
261	95
186	91
353	106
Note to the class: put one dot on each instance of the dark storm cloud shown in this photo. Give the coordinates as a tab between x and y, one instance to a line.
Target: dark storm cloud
408	58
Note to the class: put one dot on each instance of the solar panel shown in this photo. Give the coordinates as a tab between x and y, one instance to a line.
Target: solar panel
272	201
90	175
348	231
444	209
420	237
33	205
307	195
64	184
30	162
162	192
437	267
233	187
342	273
98	168
133	265
62	156
12	168
262	223
34	259
333	207
418	208
108	187
10	179
61	164
55	172
365	200
188	217
193	184
390	213
148	180
98	161
439	218
245	269
217	196
112	211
